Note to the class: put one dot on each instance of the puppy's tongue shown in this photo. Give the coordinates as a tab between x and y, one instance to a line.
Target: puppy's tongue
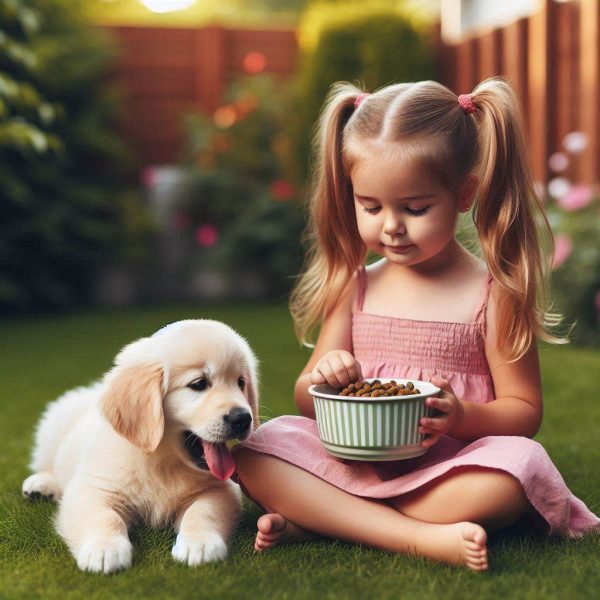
219	460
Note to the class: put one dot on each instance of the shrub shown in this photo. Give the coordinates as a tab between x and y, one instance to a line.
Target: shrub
236	202
65	208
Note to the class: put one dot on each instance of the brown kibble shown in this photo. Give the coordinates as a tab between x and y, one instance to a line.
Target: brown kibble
417	391
367	387
387	386
344	392
410	385
359	385
376	386
352	387
401	386
351	394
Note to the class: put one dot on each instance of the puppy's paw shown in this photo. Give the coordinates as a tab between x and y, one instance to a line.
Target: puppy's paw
199	548
105	556
41	485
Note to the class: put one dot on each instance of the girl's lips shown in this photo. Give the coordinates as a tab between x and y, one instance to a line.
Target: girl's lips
400	249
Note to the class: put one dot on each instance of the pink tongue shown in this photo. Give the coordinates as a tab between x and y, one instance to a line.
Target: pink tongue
219	460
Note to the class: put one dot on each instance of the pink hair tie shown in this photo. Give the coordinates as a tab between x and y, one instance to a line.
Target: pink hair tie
360	98
467	104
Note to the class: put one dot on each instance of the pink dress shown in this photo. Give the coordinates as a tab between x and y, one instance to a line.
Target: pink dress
405	348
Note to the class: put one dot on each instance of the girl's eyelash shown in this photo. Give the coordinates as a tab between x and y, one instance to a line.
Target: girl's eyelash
410	211
417	213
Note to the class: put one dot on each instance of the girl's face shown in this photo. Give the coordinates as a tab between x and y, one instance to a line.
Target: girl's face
402	212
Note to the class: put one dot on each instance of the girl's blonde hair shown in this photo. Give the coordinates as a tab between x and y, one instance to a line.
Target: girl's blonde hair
425	121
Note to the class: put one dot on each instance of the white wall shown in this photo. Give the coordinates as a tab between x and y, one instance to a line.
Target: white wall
462	17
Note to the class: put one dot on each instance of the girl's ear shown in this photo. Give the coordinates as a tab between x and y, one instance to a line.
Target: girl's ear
467	193
133	399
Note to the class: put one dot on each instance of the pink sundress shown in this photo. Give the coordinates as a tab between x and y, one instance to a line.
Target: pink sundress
405	348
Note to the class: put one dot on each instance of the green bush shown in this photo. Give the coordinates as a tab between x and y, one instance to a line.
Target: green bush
236	188
370	46
66	211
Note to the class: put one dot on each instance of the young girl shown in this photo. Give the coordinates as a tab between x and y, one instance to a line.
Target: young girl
395	169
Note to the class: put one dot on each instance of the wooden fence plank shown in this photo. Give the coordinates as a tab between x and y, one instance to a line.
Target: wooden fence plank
514	58
589	57
540	88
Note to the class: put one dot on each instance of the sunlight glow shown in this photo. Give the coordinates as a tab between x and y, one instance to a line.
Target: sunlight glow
163	6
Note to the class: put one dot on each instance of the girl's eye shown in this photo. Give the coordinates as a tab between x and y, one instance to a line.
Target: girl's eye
372	211
200	384
241	383
417	213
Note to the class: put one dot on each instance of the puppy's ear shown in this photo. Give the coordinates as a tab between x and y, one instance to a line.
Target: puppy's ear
133	401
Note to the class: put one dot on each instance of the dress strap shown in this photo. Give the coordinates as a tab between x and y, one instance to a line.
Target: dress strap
362	287
482	306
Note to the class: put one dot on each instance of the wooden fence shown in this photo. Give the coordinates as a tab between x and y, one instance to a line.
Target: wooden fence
553	60
166	72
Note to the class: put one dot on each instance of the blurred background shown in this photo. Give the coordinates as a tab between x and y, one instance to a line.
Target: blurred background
157	151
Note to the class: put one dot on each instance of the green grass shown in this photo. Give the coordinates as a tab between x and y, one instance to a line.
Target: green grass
42	357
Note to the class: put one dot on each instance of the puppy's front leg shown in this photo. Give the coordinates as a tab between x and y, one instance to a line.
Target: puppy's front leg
205	526
95	533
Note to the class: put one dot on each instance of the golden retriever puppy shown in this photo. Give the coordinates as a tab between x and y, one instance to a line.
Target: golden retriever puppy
148	444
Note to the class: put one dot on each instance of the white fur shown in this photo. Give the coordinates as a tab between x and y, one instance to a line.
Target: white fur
112	453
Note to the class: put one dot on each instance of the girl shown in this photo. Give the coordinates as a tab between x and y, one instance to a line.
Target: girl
395	169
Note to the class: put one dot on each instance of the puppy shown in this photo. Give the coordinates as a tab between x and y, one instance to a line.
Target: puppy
147	444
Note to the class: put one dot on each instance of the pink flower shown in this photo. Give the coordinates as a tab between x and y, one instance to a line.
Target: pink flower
207	235
577	197
281	189
562	250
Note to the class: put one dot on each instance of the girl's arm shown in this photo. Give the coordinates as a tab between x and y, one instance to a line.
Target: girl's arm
335	334
518	408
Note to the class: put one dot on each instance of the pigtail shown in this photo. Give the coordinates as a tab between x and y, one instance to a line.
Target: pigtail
335	248
515	236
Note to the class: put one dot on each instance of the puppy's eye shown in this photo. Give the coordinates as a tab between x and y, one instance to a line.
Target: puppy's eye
200	384
241	383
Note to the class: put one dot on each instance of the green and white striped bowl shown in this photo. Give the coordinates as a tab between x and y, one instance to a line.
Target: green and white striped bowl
384	428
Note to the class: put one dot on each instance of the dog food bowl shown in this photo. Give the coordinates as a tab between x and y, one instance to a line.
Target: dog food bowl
372	429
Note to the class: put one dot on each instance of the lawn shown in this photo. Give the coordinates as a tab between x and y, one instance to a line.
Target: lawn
41	357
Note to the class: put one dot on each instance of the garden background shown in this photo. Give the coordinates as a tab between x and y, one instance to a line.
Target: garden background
154	166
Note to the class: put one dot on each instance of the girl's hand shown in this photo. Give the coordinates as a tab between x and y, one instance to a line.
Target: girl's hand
451	413
338	368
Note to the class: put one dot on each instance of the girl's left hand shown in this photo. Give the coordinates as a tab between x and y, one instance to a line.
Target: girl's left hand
451	413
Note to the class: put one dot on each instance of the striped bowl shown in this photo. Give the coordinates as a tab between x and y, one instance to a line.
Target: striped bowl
384	428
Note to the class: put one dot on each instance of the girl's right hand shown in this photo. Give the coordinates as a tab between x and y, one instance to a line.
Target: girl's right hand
337	368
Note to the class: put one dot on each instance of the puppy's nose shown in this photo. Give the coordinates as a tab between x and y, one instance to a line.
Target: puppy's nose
239	420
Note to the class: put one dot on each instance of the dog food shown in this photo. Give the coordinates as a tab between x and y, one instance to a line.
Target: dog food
375	389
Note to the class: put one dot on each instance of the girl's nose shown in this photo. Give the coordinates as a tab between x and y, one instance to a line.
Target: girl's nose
393	225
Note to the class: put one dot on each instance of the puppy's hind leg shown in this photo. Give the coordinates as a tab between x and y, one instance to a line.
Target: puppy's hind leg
95	533
53	427
205	526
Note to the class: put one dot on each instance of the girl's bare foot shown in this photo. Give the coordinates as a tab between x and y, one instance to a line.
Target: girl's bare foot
275	529
459	544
